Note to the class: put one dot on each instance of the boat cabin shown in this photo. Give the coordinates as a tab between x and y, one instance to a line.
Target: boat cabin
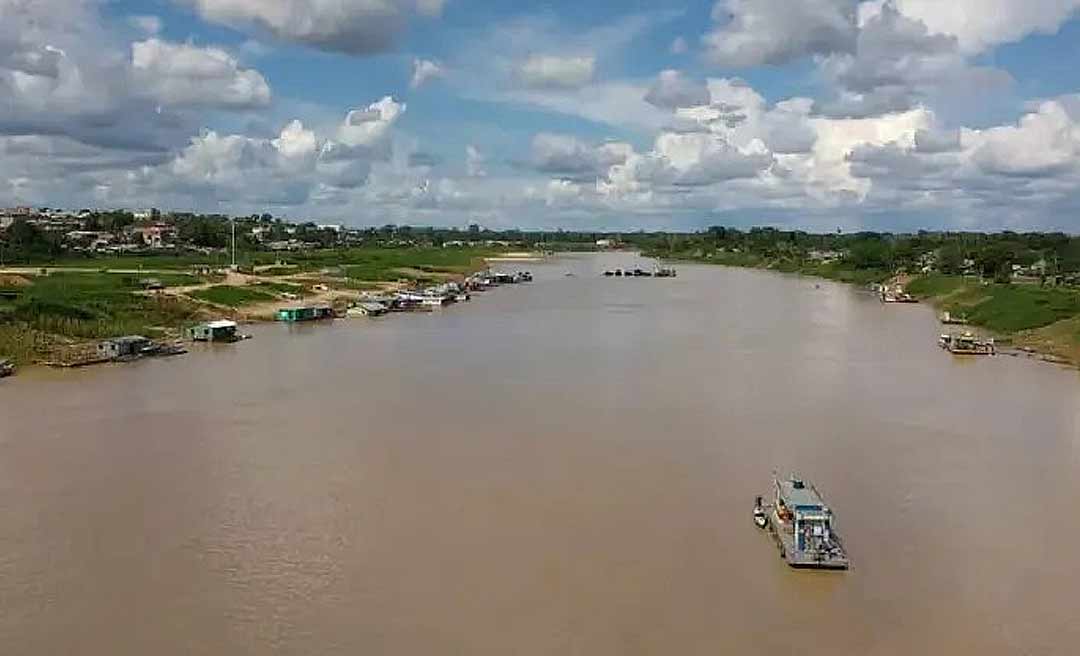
215	331
811	519
311	313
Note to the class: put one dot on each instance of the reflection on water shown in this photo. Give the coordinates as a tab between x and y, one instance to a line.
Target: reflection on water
562	467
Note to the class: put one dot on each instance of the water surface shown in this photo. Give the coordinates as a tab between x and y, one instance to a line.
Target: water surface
566	467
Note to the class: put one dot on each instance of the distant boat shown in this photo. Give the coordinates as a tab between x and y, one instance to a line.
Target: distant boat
801	525
7	368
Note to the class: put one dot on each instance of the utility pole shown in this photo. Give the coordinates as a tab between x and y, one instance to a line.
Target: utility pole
232	222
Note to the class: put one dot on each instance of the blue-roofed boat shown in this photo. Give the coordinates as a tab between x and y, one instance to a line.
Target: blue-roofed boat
801	525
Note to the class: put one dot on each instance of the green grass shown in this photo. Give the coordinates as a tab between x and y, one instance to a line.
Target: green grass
1002	308
280	287
232	296
937	285
90	305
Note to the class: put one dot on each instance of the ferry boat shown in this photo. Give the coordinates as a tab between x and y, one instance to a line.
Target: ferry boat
967	344
801	525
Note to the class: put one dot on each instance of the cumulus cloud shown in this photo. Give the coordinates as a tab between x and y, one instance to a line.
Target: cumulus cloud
567	157
294	167
981	24
556	72
64	73
672	90
898	63
756	32
424	70
349	26
183	74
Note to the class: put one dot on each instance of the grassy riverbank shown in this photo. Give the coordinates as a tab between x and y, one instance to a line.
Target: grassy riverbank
1046	320
44	312
1043	320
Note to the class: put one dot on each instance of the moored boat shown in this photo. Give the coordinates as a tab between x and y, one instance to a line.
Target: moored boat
7	368
801	525
967	344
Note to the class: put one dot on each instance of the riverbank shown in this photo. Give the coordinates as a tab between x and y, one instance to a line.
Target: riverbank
1037	321
55	313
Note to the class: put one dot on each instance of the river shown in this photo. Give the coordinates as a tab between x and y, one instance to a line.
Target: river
562	467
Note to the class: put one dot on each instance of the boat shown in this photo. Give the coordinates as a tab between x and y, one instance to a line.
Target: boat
761	518
223	330
967	344
801	525
896	295
950	319
665	272
7	368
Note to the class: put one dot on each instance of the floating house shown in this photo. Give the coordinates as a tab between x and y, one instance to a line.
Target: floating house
216	331
131	346
368	309
309	313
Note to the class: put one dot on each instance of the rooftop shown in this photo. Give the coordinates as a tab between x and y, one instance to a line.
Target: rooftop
798	494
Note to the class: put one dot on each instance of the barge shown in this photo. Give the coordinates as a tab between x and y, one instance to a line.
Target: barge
801	525
967	344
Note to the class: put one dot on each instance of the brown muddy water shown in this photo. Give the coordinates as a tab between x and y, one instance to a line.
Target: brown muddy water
566	467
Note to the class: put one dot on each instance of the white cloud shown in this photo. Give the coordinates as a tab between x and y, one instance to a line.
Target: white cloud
149	25
350	26
899	63
1044	142
981	24
183	74
672	90
424	70
755	32
568	157
679	46
474	162
556	72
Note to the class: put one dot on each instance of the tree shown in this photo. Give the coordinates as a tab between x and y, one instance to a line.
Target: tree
951	259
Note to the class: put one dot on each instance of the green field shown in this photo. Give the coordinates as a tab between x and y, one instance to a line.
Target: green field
1004	309
369	262
232	296
90	305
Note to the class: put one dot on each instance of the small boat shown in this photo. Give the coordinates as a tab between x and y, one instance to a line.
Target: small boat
761	518
7	368
967	344
801	525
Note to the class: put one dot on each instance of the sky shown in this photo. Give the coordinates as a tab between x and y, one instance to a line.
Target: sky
600	115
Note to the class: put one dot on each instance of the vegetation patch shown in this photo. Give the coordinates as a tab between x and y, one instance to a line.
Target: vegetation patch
232	296
91	305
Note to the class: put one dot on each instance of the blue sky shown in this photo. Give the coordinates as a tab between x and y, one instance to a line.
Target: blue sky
620	115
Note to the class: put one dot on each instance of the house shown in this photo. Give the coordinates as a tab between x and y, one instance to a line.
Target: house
123	347
156	235
215	331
